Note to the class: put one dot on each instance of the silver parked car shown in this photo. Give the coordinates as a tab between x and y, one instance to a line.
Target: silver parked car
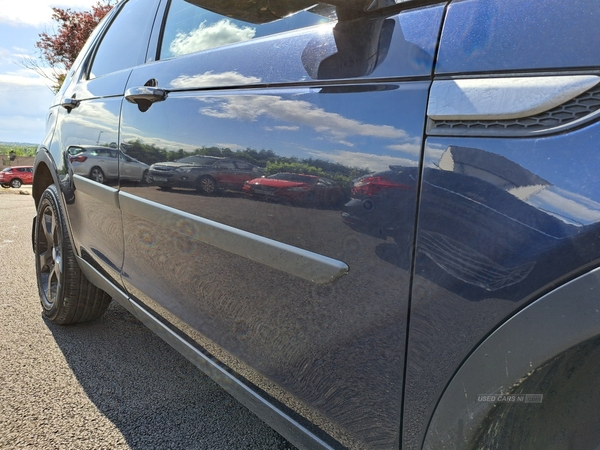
102	163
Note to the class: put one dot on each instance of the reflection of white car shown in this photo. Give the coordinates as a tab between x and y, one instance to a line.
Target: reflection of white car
102	163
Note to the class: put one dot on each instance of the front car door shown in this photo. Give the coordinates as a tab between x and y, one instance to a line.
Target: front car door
306	307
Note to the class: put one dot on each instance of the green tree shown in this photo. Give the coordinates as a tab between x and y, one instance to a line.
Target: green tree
58	50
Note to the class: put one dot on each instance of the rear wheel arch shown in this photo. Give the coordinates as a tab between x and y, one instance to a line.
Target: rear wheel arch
42	178
67	296
536	349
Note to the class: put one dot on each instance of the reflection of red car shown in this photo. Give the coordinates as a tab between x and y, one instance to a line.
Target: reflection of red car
296	188
16	176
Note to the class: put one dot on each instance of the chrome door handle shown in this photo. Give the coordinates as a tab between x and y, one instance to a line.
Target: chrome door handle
145	96
69	103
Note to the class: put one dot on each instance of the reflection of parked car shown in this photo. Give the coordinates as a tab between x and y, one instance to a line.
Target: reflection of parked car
297	188
16	176
380	202
207	174
102	163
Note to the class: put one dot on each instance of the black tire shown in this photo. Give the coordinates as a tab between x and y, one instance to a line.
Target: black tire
15	183
207	185
5	185
65	293
97	175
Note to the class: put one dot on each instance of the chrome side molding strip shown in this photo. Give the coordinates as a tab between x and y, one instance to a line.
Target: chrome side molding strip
293	260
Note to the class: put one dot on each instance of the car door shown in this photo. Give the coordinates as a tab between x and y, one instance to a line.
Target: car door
510	210
224	173
308	310
88	115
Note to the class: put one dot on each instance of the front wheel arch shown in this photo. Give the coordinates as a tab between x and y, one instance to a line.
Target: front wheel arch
566	413
516	351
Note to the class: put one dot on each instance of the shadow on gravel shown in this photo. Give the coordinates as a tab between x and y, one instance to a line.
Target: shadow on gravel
155	397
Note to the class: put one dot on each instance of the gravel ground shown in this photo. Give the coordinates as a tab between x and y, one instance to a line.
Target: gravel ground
109	384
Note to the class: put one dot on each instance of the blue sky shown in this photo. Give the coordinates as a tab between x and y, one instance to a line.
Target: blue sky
24	95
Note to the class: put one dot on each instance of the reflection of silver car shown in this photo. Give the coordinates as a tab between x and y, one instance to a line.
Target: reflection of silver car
102	163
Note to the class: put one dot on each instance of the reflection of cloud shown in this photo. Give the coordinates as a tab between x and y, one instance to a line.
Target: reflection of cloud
571	208
368	161
131	134
233	147
251	108
412	148
213	79
205	37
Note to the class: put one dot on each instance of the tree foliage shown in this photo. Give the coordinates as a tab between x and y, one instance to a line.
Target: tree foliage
59	50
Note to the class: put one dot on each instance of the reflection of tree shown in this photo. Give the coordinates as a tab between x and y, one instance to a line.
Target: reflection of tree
335	171
147	153
269	160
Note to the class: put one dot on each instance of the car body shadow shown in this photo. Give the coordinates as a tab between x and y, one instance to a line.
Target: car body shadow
154	396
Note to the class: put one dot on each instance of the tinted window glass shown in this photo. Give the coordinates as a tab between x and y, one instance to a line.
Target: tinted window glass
124	44
243	165
199	160
190	28
226	165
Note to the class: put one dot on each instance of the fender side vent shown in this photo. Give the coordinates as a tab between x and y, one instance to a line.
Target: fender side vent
580	110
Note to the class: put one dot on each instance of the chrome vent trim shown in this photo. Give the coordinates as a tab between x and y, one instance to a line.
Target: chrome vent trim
575	112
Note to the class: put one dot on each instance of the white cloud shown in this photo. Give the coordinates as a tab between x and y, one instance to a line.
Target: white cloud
24	103
205	37
36	12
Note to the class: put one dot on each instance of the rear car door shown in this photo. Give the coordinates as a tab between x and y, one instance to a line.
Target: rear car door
88	115
307	308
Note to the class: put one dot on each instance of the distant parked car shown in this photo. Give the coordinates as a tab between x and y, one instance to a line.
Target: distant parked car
16	176
102	164
207	174
296	188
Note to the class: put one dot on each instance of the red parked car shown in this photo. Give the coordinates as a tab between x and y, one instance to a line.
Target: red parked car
296	188
16	176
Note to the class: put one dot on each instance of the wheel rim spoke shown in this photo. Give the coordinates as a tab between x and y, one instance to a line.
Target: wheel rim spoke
48	226
45	260
49	256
